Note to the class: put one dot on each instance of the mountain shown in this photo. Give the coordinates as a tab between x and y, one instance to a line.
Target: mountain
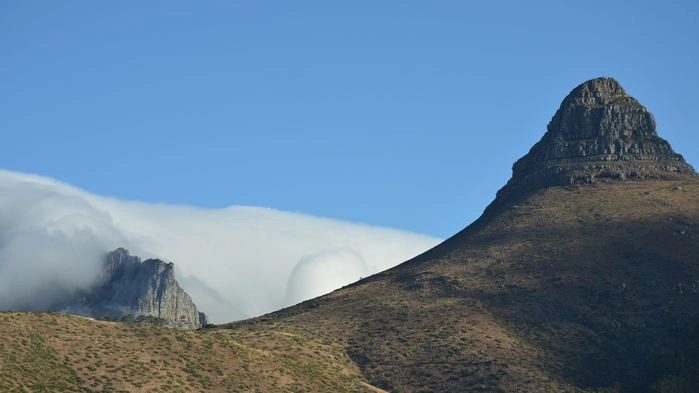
137	291
599	132
581	276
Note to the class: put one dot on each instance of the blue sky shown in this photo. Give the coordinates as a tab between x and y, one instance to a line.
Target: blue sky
405	114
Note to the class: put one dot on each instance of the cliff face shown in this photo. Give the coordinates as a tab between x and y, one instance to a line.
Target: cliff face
131	289
599	132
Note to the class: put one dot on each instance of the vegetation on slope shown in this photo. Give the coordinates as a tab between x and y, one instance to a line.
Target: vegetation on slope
571	288
48	352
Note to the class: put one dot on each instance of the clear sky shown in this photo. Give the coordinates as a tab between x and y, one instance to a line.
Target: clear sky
404	114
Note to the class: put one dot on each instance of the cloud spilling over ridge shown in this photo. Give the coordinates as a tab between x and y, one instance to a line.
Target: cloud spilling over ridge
235	262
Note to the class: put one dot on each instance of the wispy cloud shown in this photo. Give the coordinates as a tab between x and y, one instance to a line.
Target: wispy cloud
235	262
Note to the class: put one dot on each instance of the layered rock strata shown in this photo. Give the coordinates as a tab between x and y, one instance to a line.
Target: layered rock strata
599	132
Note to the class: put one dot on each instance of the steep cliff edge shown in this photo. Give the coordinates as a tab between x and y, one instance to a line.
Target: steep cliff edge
131	289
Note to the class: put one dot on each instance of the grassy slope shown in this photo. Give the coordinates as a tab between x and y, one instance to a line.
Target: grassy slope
572	288
46	352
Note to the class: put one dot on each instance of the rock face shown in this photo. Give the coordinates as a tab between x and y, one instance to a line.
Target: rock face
130	289
599	132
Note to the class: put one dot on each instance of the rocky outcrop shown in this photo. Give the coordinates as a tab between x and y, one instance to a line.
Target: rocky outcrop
134	290
599	132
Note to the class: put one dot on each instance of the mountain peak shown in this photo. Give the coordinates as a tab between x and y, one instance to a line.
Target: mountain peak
597	92
599	132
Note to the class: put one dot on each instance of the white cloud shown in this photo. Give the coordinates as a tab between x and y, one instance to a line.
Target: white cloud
235	262
323	272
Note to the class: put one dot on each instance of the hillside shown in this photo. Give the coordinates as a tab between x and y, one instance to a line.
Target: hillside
50	352
581	276
584	286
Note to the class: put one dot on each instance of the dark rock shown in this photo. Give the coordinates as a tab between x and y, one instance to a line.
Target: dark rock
131	290
203	319
599	132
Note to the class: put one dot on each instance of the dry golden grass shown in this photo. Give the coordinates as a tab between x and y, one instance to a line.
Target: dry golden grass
47	352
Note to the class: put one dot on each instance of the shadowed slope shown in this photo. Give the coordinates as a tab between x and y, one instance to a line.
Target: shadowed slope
586	285
583	273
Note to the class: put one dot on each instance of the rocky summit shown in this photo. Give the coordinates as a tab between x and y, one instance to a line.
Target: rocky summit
599	132
137	291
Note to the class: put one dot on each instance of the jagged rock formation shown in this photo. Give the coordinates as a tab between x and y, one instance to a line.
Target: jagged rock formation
599	132
130	289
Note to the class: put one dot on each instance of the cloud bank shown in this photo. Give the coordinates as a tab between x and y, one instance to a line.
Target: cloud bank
235	262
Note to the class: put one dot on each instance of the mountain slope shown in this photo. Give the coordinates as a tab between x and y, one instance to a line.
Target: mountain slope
571	286
583	273
50	352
